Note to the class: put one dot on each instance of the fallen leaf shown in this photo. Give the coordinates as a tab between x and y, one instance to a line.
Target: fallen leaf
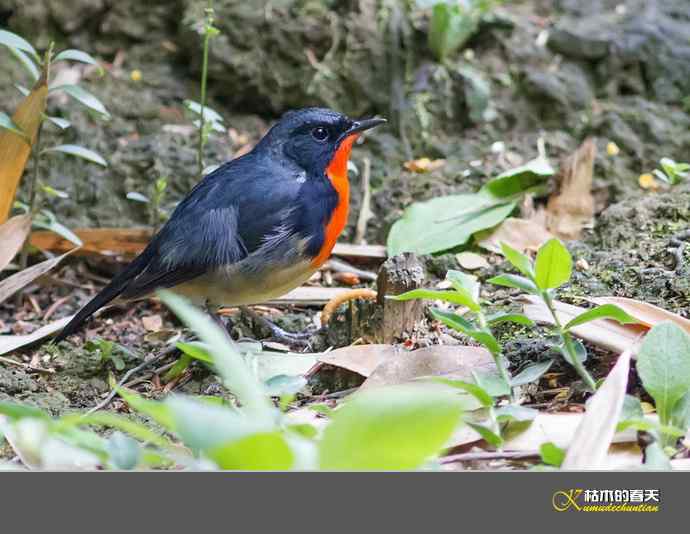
604	333
521	234
10	343
647	181
471	261
14	283
423	165
360	359
152	323
12	236
437	360
572	208
15	150
590	444
648	314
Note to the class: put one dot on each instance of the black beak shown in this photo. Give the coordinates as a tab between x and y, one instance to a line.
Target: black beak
364	124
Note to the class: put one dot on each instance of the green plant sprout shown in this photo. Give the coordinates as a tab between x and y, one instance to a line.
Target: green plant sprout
672	172
156	213
551	269
39	69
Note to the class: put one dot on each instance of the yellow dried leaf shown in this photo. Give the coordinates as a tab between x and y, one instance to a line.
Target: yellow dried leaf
423	165
647	181
612	149
14	150
12	236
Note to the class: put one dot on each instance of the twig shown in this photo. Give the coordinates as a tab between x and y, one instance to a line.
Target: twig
341	266
26	366
474	456
54	306
365	209
128	375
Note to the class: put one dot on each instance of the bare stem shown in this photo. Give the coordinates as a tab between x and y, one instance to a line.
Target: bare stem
208	23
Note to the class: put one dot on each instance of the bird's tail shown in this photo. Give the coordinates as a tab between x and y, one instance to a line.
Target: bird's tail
107	294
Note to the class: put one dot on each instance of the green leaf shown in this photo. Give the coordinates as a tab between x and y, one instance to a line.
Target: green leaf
80	152
17	411
531	373
473	389
266	451
392	427
197	350
580	351
82	96
680	415
449	29
13	40
109	419
47	221
514	419
465	283
605	311
157	411
460	324
61	123
138	197
501	317
23	90
27	63
551	454
518	260
444	223
461	298
78	55
655	457
517	282
663	365
492	383
123	451
553	265
7	123
280	385
519	180
487	434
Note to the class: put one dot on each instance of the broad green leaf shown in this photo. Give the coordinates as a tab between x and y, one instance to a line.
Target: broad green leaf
461	298
501	317
78	55
158	411
456	322
519	180
80	152
393	427
551	454
266	451
655	457
580	351
473	389
514	281
138	197
450	28
60	122
123	451
663	365
195	349
605	311
487	434
82	96
466	283
531	373
680	416
27	63
553	265
112	420
514	419
16	411
518	260
7	123
226	358
13	40
280	385
444	223
492	383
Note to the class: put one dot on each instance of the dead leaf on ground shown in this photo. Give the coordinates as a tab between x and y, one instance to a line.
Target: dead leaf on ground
593	435
572	208
10	343
15	150
604	333
360	359
152	323
648	314
423	165
12	236
471	260
14	283
521	234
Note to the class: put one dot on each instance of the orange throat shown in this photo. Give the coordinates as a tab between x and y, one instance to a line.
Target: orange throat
337	174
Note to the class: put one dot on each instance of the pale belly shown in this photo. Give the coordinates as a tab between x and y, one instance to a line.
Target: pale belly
233	287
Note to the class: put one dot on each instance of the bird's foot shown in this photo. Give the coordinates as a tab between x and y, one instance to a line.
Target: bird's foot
300	339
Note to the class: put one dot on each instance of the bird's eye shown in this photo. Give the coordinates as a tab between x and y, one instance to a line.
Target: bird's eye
320	133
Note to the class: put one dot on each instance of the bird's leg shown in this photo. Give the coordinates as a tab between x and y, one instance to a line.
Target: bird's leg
278	333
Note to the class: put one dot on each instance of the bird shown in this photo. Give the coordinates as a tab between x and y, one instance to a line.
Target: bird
254	228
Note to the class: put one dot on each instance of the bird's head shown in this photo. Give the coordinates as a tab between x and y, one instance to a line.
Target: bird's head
317	138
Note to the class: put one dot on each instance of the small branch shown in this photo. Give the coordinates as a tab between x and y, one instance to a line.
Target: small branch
479	456
365	208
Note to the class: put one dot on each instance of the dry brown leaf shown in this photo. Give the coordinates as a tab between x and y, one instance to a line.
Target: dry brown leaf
590	444
14	283
10	343
152	323
12	236
437	360
648	314
423	165
572	208
521	234
471	260
361	359
604	333
14	150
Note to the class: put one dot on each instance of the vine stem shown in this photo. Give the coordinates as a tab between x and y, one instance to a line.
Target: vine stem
204	73
499	359
568	343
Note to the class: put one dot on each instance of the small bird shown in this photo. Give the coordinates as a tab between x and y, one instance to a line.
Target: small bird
256	227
